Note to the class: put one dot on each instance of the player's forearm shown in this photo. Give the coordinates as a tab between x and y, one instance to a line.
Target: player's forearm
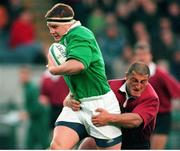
70	67
126	120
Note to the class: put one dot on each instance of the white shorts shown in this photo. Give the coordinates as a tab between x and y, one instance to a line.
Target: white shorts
88	107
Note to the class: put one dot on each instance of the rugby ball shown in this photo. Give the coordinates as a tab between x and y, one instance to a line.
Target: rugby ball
58	53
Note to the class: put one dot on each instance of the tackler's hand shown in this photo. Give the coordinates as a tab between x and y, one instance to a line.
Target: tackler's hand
51	66
72	103
75	105
102	118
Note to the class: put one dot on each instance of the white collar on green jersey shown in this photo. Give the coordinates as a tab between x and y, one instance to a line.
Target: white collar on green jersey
76	23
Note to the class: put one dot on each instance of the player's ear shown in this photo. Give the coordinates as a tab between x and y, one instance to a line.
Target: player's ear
126	76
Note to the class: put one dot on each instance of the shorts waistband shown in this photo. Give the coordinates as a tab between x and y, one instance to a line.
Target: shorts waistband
93	98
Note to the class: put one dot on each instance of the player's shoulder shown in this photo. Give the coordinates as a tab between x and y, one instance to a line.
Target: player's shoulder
81	32
150	91
117	82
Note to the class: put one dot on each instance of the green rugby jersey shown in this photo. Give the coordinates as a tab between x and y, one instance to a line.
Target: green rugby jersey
81	45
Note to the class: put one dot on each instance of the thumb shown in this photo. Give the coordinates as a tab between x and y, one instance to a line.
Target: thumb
75	102
99	110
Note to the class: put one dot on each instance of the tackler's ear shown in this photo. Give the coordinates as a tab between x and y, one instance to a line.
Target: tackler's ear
126	76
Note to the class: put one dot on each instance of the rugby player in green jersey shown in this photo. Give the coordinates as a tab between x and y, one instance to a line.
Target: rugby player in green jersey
84	73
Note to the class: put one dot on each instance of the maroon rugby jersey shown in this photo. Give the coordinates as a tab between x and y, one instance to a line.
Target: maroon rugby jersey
54	87
166	87
146	106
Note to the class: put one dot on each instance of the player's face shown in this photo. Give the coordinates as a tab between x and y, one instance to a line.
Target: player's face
136	83
57	30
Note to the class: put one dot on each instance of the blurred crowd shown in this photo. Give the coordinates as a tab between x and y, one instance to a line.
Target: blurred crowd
117	24
18	42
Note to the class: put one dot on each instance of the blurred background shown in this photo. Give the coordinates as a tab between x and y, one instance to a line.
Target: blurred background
117	25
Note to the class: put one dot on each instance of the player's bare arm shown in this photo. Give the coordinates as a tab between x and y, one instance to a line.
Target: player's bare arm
70	67
126	120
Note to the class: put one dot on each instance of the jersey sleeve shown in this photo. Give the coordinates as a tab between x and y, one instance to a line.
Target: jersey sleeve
171	84
80	50
147	110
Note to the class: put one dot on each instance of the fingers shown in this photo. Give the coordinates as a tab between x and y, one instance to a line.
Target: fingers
99	110
75	105
96	122
100	119
50	61
75	108
75	102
